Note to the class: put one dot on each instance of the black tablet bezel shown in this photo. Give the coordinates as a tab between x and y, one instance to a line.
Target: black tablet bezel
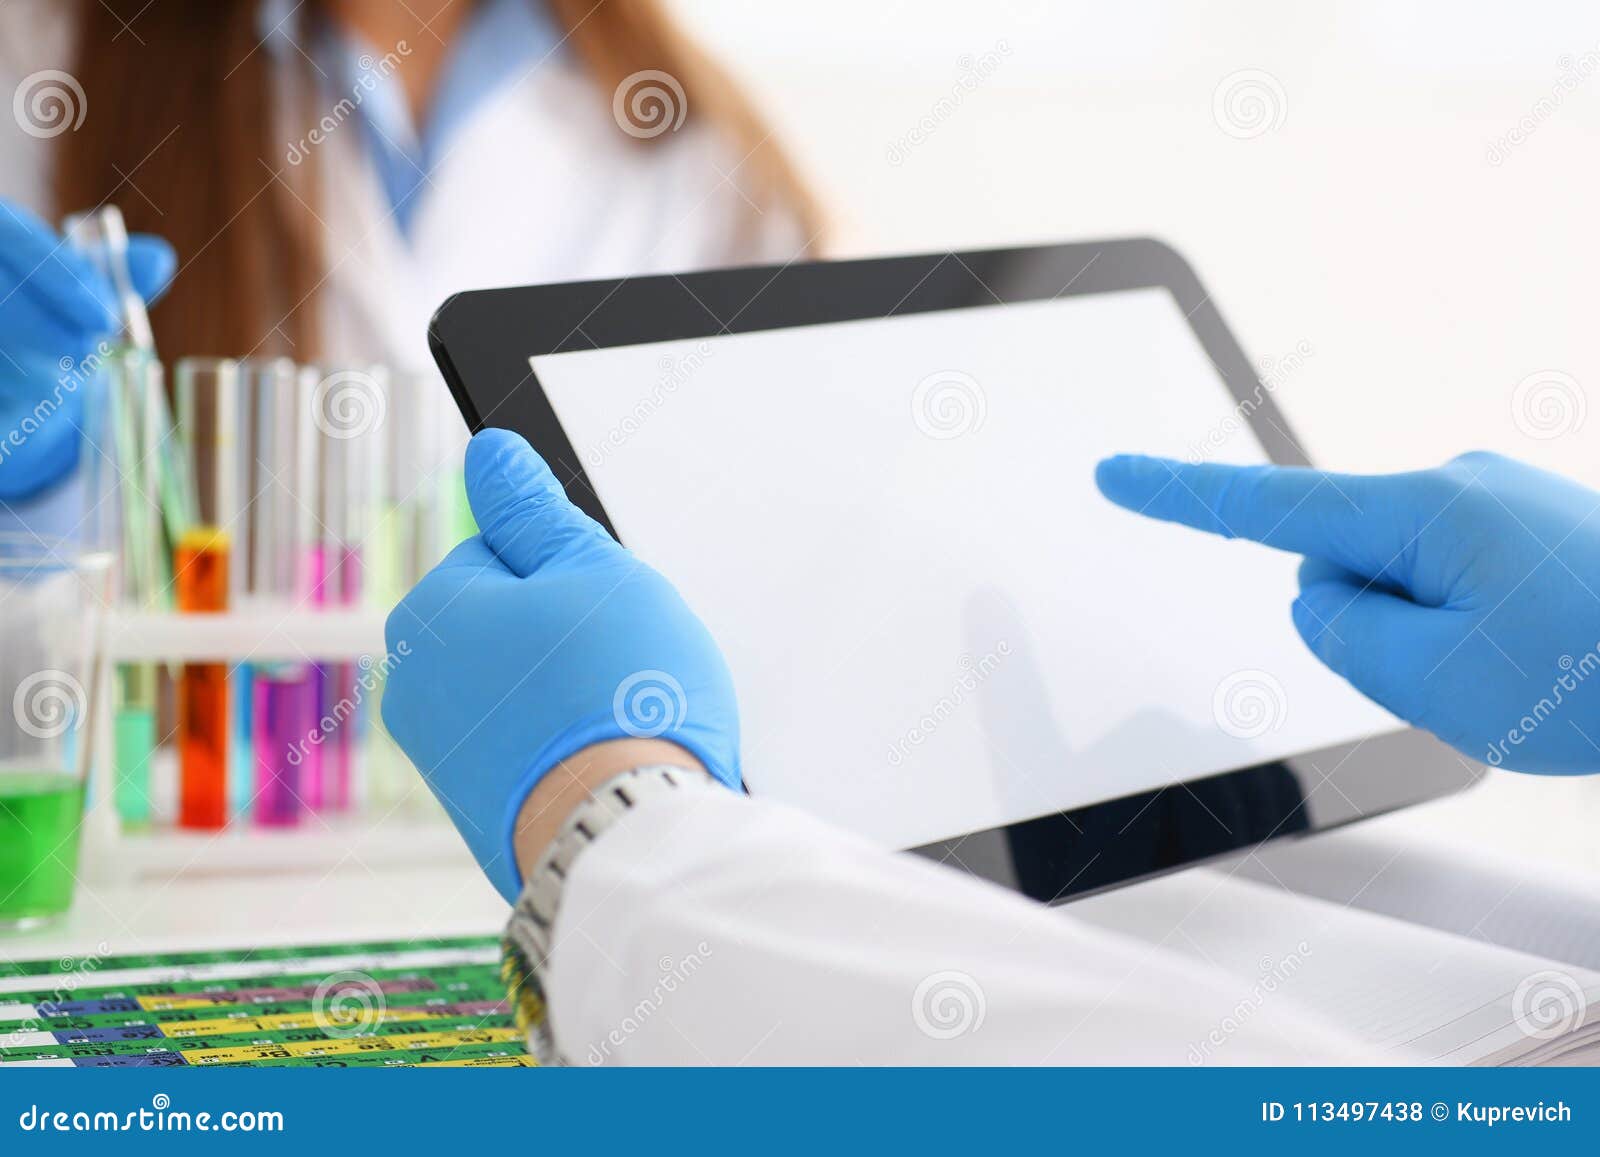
483	342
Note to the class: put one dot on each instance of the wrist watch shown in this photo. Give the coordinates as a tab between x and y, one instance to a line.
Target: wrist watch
530	934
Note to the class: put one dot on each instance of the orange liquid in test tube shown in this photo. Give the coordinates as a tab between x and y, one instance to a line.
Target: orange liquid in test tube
200	567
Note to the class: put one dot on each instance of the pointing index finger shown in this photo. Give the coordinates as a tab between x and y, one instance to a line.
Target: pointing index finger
1356	521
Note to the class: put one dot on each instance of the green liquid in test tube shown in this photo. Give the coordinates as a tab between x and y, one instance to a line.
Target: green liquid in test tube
147	564
387	549
121	524
136	454
134	736
462	524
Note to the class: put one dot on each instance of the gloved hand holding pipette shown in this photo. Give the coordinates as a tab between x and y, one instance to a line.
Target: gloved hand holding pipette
55	307
1465	599
535	640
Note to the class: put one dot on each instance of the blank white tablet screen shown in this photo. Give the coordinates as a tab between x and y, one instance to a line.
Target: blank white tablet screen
935	623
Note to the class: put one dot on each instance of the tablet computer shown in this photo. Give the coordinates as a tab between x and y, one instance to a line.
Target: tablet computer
874	481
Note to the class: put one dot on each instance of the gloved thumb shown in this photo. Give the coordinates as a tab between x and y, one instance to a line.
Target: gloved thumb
151	263
522	511
1383	644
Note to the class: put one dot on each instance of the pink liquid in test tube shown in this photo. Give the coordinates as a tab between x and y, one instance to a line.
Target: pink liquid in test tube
338	769
313	579
281	721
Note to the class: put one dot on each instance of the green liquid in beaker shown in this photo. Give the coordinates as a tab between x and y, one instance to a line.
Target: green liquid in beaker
40	815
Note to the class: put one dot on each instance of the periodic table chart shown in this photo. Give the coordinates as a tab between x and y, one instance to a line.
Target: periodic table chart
432	1003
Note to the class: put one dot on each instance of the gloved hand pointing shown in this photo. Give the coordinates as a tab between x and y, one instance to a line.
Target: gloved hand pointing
1465	599
536	639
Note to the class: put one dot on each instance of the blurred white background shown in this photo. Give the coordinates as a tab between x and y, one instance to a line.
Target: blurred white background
1418	201
1380	215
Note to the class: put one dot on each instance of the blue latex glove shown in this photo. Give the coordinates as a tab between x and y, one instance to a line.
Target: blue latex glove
55	309
1465	599
534	640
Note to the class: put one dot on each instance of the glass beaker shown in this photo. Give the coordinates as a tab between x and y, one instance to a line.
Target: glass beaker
53	597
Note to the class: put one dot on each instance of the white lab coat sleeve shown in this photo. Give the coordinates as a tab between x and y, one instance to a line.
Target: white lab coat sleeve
707	928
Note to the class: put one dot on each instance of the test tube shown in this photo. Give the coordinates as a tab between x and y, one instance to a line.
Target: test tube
369	468
343	413
402	480
131	378
405	475
125	435
311	564
249	586
458	522
209	404
282	704
102	236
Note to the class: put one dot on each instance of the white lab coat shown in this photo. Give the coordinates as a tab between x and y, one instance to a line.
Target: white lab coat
710	928
707	928
538	185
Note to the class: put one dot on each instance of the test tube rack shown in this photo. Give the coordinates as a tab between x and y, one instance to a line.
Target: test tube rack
232	637
375	839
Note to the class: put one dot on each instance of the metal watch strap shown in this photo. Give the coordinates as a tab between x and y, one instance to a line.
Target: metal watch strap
530	933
